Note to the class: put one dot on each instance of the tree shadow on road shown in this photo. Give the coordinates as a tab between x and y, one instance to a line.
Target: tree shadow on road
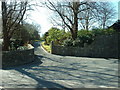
40	82
89	73
64	70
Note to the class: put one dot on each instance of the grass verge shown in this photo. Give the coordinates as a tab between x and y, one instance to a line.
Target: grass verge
46	47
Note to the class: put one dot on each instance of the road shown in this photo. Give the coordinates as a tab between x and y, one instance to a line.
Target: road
54	71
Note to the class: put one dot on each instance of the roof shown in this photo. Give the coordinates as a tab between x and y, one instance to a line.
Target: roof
116	26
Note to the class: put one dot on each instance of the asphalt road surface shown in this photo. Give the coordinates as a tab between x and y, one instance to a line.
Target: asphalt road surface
54	71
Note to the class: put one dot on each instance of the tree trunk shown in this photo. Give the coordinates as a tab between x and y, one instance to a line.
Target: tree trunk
103	25
6	40
75	25
87	23
74	35
6	43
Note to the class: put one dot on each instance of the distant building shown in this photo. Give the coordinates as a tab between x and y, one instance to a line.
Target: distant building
116	26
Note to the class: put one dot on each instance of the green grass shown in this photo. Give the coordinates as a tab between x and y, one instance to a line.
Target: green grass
37	40
46	47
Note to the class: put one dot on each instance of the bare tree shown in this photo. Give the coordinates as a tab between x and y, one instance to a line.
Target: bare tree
73	15
70	16
12	16
105	13
88	16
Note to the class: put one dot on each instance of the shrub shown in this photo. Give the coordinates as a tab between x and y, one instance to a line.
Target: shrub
77	43
97	32
56	35
85	36
68	42
109	31
22	48
14	44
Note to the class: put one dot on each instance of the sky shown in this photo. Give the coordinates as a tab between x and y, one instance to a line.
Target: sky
41	16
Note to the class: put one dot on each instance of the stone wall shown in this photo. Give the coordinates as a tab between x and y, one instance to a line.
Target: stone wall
15	58
104	46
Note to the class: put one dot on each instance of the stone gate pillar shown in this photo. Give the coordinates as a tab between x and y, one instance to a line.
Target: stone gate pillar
52	47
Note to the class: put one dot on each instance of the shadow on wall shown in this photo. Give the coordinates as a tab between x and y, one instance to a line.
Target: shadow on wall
36	61
15	58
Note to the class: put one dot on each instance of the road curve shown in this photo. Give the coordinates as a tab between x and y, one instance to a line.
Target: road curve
54	71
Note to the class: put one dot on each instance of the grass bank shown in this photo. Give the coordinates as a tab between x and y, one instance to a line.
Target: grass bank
46	47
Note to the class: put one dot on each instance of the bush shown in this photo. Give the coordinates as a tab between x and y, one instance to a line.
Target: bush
77	43
14	44
98	32
56	35
22	48
68	42
74	43
109	31
85	37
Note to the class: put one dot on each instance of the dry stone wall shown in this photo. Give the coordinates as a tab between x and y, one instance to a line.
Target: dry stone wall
104	46
15	58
